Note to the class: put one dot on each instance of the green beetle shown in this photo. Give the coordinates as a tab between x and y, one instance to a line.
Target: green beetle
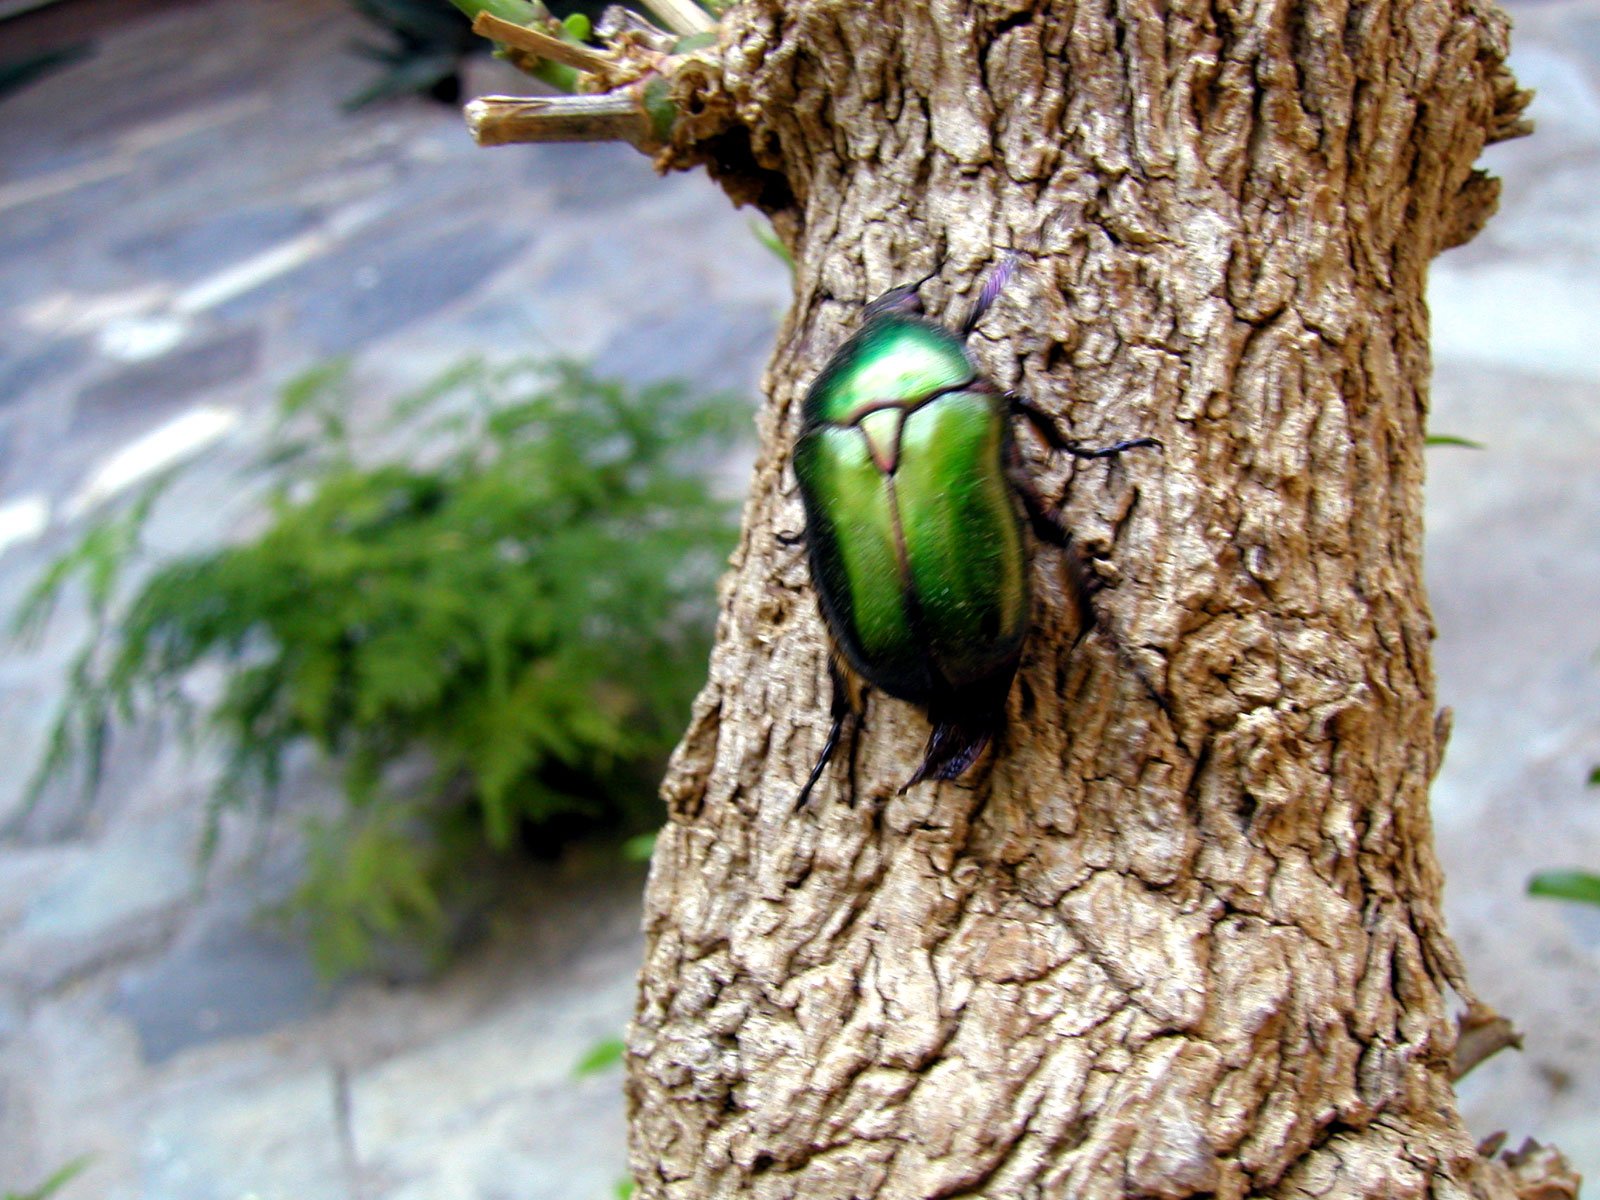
910	485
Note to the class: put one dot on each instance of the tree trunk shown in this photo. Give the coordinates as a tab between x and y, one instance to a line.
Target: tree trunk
1181	934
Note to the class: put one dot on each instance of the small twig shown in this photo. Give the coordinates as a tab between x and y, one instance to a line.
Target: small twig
684	17
608	117
1481	1033
539	44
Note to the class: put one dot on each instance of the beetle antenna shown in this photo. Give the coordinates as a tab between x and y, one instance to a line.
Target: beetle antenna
990	292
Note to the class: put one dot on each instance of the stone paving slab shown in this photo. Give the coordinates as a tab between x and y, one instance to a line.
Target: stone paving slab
214	225
218	226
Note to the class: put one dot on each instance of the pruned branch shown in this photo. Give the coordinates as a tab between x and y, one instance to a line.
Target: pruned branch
1541	1172
610	117
623	24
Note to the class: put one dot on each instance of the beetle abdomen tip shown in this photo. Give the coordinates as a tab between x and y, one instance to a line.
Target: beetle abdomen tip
953	747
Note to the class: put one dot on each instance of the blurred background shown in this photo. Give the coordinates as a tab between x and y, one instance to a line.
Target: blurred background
294	381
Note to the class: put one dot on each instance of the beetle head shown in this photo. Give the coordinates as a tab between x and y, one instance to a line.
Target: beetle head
902	299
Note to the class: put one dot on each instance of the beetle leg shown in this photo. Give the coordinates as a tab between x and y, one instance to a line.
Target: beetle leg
1052	531
1108	451
841	709
1047	527
1046	427
902	299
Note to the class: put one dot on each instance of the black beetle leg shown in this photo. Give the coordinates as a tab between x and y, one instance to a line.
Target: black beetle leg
1051	433
1112	450
1052	531
1046	525
841	710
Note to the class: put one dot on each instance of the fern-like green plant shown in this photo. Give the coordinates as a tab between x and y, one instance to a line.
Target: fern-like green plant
531	609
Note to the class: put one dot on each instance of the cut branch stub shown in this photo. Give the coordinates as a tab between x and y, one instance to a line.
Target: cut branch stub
617	116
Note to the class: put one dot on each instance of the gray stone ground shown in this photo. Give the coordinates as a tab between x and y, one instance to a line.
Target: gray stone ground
187	219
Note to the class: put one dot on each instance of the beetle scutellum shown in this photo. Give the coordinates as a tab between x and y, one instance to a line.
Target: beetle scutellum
910	483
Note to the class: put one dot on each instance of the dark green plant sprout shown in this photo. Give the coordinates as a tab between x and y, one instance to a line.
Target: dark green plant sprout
16	73
528	613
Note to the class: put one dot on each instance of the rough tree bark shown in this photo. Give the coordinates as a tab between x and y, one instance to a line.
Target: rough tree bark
1184	937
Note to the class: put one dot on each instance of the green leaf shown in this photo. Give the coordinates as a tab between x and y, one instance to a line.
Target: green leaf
768	238
416	73
523	12
313	387
1566	885
602	1055
1448	439
55	1183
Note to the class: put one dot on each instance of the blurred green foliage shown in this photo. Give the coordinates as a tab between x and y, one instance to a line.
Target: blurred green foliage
54	1184
1566	885
16	73
604	1054
425	42
423	45
528	612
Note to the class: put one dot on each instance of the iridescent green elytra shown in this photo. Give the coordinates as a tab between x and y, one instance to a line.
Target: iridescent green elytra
907	472
916	545
915	539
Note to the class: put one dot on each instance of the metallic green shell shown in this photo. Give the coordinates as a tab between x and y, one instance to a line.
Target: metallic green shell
916	546
893	358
